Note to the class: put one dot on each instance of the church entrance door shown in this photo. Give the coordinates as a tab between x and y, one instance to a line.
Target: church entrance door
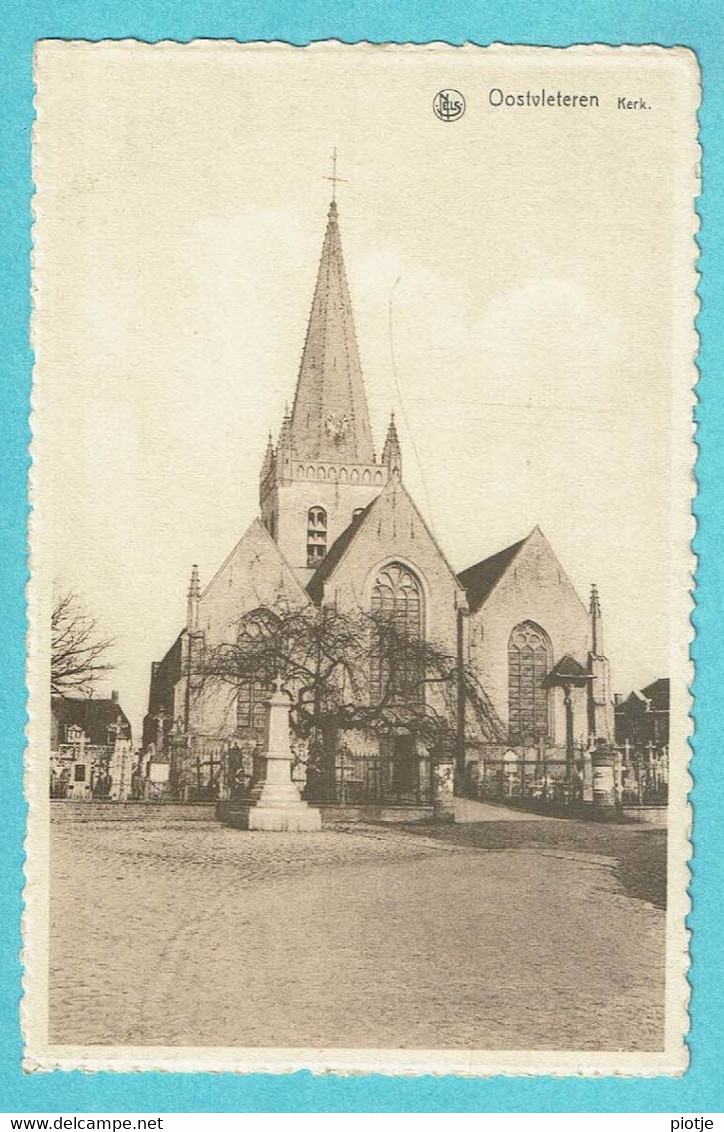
404	779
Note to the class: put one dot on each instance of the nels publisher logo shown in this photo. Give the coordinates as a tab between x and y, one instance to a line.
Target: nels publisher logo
449	105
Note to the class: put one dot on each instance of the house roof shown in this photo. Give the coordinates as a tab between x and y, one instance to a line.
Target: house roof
478	580
654	697
633	698
95	716
658	693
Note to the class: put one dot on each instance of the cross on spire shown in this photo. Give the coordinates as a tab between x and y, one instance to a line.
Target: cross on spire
334	178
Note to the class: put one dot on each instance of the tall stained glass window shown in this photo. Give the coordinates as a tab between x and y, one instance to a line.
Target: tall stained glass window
396	602
529	662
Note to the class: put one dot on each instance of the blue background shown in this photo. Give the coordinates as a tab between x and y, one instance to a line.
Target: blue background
697	25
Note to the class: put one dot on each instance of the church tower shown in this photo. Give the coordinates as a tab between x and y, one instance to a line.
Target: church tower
323	471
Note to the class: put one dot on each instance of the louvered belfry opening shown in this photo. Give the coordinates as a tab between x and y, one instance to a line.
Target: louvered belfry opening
316	535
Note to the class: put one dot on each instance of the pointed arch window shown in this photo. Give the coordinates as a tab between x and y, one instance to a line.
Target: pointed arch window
529	662
316	535
396	606
252	695
251	699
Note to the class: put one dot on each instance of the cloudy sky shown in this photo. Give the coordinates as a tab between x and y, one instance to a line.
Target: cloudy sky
522	264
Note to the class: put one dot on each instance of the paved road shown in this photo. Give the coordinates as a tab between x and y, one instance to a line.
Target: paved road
166	931
469	810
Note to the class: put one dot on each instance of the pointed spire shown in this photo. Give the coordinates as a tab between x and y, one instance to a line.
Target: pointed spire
285	432
392	453
283	454
268	461
596	623
330	419
194	595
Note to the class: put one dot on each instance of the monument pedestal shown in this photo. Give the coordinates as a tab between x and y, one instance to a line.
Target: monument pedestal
443	789
604	788
274	802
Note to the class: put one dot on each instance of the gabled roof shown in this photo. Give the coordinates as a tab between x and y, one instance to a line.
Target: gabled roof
654	697
478	580
568	669
341	545
257	530
658	693
315	586
639	697
330	419
94	716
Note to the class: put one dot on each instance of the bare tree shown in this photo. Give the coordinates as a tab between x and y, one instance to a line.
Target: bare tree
78	649
350	671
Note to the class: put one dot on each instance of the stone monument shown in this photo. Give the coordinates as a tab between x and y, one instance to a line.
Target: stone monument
274	801
604	790
443	781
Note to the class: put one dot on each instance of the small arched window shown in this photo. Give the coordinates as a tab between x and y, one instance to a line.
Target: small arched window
316	535
529	662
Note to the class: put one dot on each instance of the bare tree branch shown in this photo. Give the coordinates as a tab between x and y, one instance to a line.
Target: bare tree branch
78	650
325	659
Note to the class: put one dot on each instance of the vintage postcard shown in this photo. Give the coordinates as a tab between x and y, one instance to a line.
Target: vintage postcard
360	552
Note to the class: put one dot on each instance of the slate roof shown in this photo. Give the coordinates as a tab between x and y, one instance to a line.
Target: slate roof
478	580
95	716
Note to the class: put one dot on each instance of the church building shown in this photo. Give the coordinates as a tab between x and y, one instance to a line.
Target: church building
337	526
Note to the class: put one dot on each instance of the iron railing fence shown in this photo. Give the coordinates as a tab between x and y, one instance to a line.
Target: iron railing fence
361	780
642	775
552	775
58	786
559	781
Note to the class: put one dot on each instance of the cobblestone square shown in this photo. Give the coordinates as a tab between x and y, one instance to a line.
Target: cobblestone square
169	931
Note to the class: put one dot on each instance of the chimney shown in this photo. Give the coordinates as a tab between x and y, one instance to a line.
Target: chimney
114	697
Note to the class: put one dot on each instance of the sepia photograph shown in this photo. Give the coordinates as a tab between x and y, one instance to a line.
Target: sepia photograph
361	572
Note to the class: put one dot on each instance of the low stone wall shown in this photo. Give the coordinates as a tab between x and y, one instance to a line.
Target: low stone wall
64	810
649	815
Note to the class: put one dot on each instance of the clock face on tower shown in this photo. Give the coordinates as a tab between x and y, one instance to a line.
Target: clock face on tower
337	426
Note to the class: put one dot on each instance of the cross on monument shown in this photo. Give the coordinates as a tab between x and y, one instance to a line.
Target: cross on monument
334	178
